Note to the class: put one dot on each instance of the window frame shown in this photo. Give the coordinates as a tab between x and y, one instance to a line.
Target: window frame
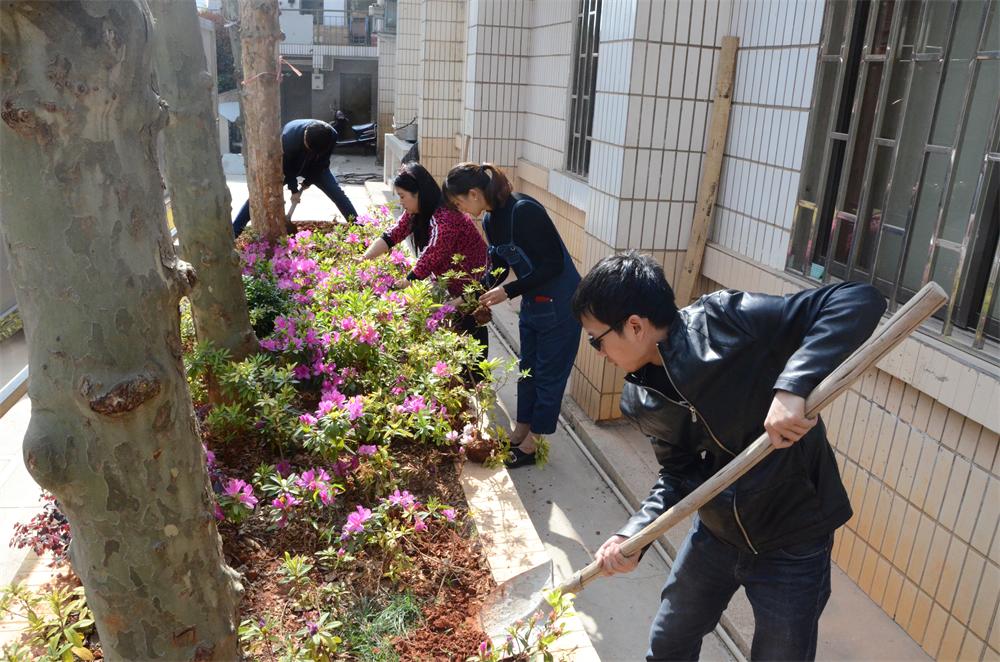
824	184
583	85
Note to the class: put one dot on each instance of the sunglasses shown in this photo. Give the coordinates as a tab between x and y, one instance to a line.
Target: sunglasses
596	342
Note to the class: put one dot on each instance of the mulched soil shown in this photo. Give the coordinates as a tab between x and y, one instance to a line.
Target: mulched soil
449	576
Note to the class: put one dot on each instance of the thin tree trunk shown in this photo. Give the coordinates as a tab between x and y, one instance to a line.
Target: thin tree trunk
231	14
198	193
112	431
259	35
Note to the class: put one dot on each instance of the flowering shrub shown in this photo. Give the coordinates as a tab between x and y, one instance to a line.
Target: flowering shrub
47	532
531	638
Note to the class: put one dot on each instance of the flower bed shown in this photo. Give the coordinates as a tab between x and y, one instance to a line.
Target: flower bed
334	456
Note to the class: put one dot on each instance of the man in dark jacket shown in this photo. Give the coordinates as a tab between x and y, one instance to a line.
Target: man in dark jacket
306	146
704	382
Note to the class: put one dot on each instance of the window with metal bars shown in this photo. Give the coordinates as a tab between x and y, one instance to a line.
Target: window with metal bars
581	107
901	168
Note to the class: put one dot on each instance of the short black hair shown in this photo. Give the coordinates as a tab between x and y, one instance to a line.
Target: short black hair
623	285
320	137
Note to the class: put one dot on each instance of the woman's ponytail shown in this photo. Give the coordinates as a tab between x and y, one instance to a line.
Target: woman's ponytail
486	177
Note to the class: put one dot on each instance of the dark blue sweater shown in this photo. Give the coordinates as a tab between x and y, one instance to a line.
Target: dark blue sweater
296	160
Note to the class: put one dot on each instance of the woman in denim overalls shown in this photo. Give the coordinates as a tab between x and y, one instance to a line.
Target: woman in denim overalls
523	238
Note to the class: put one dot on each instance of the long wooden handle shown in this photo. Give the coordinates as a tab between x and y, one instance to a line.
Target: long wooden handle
907	318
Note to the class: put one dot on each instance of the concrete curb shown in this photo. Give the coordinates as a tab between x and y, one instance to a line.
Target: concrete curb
514	545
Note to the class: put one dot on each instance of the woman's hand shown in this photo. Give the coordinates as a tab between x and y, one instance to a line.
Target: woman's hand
494	296
786	421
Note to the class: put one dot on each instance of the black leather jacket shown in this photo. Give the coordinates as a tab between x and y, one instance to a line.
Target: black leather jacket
725	356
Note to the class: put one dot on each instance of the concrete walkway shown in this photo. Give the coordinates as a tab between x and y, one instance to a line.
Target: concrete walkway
853	627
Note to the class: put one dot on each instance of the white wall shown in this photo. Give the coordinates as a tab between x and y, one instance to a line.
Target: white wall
775	65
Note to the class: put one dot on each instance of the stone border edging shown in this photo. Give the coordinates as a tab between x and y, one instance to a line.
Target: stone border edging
514	545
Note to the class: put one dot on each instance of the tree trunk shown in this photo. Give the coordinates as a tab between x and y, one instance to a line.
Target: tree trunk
112	431
259	36
198	193
231	14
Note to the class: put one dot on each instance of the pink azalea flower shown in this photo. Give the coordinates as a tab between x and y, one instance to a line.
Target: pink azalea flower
403	499
432	324
308	419
352	238
412	405
449	514
239	491
219	515
302	371
452	436
419	524
285	502
356	520
367	449
355	407
441	369
326	496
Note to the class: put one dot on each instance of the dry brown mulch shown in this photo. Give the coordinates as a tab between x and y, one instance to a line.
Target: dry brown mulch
449	574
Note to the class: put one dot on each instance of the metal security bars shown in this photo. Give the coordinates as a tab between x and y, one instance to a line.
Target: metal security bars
581	114
901	168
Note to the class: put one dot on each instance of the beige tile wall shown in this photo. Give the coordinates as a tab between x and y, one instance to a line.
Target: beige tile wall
771	100
442	64
497	43
386	86
408	40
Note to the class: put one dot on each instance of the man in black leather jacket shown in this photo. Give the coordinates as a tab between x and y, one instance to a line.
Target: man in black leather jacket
704	382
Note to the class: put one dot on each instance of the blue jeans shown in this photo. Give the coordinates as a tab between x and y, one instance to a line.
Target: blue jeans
549	341
787	589
326	183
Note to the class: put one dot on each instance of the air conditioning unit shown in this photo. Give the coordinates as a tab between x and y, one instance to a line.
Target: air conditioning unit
317	80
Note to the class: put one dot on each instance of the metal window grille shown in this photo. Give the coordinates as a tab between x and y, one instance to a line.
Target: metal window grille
901	169
581	114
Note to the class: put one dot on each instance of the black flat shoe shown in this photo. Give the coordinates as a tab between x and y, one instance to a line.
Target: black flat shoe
519	459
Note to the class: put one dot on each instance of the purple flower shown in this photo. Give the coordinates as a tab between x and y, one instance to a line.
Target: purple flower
284	468
449	514
403	499
209	457
313	628
302	371
441	369
240	492
355	407
285	501
313	480
419	524
432	324
219	515
356	520
307	419
412	405
367	449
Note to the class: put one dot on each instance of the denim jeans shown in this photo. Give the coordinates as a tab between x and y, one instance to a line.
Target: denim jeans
549	341
787	589
327	183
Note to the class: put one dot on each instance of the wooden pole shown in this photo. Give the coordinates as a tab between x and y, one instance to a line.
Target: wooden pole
709	186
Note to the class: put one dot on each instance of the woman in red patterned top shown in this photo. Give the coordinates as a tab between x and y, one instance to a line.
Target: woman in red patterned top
439	233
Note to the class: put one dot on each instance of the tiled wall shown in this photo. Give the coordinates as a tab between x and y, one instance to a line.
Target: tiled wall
497	41
545	95
771	99
442	60
925	485
408	39
386	86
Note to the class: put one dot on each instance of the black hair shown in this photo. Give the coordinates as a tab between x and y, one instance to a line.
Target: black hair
414	178
320	137
486	177
623	285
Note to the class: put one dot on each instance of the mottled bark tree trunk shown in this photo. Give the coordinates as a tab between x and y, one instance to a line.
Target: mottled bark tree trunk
112	431
198	193
260	103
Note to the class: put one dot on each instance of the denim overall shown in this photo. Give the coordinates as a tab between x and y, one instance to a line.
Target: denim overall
550	336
